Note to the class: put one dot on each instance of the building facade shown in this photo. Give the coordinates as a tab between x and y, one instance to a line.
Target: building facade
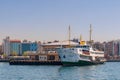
112	48
33	46
6	46
1	50
25	47
29	46
15	47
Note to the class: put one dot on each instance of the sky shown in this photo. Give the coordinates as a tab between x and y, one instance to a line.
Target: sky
48	20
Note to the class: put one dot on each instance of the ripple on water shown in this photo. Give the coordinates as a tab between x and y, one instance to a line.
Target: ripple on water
107	71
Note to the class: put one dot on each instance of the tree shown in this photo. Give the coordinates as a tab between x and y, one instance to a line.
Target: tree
4	55
25	54
13	53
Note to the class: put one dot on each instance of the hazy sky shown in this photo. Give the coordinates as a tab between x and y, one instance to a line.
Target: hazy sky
48	20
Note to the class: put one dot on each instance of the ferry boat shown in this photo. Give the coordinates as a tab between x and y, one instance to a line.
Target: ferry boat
80	55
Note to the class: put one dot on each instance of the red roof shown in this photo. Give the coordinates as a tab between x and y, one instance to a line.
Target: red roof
15	41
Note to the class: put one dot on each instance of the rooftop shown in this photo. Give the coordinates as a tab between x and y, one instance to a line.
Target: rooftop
62	43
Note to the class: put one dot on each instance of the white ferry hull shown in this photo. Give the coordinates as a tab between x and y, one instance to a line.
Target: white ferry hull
71	57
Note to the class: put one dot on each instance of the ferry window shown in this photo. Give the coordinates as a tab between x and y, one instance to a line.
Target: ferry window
44	57
59	57
79	49
52	57
64	56
87	46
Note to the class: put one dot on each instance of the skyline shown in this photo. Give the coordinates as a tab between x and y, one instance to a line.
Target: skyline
45	20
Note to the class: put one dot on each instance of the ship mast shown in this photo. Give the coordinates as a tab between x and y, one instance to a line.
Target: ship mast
90	34
69	36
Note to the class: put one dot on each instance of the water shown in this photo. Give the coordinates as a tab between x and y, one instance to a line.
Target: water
107	71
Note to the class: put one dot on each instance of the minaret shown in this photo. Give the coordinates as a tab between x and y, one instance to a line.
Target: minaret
80	38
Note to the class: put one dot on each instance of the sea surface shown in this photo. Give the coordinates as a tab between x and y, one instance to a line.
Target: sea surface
107	71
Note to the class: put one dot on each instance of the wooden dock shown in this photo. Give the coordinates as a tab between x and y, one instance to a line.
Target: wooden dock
4	60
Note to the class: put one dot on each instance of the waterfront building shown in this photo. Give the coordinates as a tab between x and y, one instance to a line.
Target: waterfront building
33	46
6	46
39	47
109	48
119	48
29	47
112	49
10	47
15	47
99	46
25	47
1	49
116	48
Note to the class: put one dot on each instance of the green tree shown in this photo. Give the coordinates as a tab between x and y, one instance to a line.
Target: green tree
4	55
25	54
13	53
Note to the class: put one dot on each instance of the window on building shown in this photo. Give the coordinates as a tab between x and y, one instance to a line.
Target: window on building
51	57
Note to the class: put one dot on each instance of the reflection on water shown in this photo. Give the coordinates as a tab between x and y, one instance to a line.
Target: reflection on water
97	72
108	71
78	73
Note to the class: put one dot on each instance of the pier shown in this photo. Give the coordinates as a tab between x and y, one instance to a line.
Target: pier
34	62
